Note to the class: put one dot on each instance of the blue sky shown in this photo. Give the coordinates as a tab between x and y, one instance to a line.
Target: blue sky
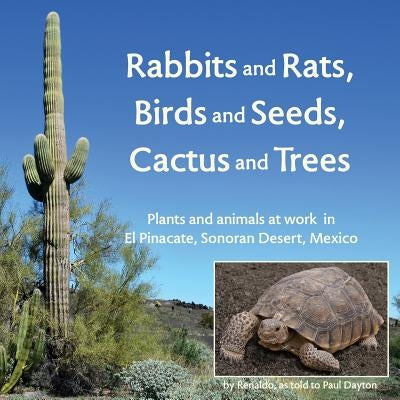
99	103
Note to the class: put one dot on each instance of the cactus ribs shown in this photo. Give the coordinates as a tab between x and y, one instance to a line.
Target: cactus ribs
48	176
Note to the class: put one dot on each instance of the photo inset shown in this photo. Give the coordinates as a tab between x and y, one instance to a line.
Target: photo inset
301	319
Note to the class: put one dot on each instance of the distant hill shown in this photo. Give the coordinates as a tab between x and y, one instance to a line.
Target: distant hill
176	314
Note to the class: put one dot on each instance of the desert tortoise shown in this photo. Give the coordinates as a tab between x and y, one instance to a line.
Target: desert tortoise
322	307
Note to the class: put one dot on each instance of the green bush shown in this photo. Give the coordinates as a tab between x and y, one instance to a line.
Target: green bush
17	275
150	380
110	323
394	347
189	351
207	320
213	389
111	327
390	386
77	377
99	351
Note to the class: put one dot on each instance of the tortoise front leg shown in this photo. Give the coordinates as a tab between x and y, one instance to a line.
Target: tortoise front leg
240	330
370	343
318	359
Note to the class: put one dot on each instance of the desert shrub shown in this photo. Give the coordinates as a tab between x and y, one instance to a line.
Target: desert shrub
213	389
395	362
137	336
111	327
394	347
206	355
17	277
189	351
389	386
78	377
207	320
150	380
103	343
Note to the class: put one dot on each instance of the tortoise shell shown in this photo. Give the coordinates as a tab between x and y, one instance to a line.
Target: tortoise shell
325	305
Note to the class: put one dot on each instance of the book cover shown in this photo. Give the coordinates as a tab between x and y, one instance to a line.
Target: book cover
198	200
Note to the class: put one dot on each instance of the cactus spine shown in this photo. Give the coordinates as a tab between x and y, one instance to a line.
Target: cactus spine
48	176
26	350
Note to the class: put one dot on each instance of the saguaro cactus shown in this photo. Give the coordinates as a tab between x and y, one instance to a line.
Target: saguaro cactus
48	175
27	351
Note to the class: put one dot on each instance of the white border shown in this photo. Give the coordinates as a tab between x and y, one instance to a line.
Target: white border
303	262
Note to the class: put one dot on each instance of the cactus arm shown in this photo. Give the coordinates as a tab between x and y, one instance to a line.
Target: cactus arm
34	303
37	351
27	325
22	331
43	158
24	340
76	165
14	378
3	364
32	179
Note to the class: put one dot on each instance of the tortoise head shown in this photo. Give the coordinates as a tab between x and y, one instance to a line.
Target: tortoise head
273	331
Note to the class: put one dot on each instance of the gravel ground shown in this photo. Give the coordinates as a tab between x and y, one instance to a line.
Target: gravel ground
239	285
